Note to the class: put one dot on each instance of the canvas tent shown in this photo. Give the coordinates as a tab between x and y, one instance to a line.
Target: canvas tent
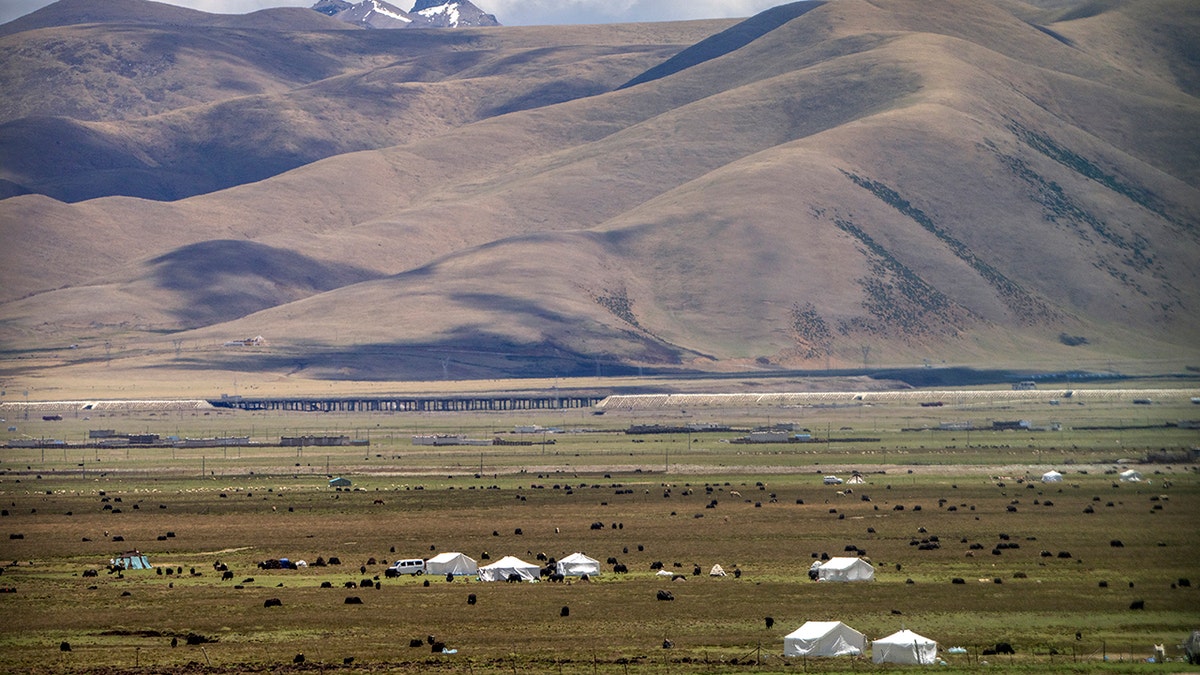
846	569
824	638
1131	476
507	566
1052	476
904	647
451	563
132	560
577	565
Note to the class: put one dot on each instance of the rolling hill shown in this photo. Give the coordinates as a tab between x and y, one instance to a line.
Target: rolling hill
848	183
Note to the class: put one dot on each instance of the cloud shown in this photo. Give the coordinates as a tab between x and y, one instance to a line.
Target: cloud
509	12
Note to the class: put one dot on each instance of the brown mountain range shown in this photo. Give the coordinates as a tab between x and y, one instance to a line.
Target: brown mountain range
827	184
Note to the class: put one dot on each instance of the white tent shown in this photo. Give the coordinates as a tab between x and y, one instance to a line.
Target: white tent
1052	476
577	565
904	647
846	569
507	566
450	563
824	638
1131	476
716	571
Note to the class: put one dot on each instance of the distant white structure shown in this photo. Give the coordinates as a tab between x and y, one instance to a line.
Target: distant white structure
447	439
904	647
846	569
454	563
824	638
1131	476
510	566
577	565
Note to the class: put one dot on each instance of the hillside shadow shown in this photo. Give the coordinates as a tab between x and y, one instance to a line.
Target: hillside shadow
221	280
729	40
464	355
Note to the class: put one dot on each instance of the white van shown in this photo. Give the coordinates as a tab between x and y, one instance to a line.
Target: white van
410	566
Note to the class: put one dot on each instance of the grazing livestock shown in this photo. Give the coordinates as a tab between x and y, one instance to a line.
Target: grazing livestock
353	600
471	599
565	611
227	575
1137	604
416	642
272	602
664	595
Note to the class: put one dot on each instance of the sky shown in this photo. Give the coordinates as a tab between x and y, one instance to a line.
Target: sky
509	12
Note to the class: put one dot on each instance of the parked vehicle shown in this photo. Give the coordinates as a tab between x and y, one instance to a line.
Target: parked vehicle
414	566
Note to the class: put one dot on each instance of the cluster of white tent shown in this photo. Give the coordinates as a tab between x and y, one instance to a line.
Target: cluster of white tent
1126	476
509	567
834	638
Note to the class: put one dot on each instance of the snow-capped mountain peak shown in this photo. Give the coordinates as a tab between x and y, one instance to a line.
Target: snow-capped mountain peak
424	14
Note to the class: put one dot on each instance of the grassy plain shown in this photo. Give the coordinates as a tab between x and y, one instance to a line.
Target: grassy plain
190	508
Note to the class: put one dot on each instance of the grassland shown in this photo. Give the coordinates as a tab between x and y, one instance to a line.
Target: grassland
190	508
